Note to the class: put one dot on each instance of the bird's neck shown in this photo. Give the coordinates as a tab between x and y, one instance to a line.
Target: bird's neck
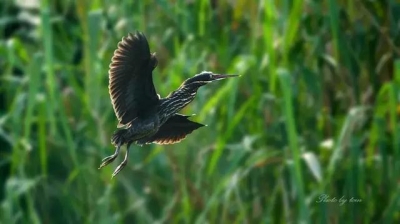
177	100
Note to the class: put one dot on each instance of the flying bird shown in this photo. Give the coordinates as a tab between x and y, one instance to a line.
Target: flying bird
143	116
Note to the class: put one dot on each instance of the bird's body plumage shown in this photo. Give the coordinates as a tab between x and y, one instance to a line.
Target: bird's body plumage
143	116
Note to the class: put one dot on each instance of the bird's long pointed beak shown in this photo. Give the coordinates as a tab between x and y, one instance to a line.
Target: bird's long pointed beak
220	76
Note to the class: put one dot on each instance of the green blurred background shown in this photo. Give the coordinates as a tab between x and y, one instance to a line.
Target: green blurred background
313	117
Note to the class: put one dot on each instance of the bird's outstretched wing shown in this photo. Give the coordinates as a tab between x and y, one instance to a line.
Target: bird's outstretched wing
174	130
131	85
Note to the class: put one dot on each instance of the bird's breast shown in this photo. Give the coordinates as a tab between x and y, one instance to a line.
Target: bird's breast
144	127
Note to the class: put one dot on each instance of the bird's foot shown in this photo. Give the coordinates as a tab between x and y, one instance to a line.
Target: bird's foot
108	160
111	158
120	167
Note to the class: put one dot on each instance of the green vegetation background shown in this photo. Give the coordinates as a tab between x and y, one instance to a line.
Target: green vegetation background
313	117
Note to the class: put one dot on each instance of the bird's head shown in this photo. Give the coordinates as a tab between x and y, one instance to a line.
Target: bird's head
206	77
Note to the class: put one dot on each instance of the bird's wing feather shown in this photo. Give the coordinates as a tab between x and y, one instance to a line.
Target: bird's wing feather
131	85
174	130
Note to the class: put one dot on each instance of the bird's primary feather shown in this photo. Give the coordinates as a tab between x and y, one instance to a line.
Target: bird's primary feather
131	86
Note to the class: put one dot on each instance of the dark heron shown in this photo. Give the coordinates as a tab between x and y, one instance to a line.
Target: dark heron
143	116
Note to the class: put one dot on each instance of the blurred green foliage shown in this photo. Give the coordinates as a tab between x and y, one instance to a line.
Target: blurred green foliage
313	118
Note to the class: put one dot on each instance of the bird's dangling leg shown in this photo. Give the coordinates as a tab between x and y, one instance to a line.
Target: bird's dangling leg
124	162
111	158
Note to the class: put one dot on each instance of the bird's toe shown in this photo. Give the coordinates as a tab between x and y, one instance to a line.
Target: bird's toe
119	168
107	161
